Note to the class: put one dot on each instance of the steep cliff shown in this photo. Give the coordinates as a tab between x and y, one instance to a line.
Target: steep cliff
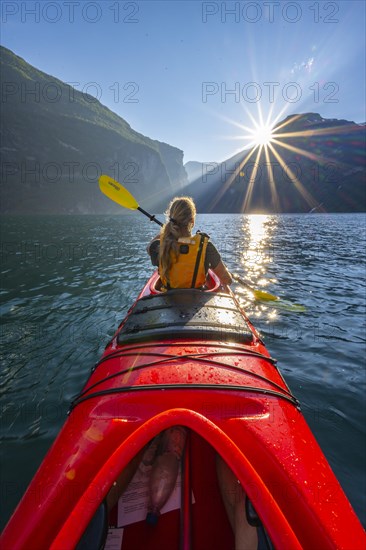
55	142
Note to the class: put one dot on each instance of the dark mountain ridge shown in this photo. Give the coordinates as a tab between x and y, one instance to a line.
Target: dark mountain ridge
313	164
55	141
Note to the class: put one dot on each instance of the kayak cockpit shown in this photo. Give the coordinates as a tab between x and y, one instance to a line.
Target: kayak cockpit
187	518
212	284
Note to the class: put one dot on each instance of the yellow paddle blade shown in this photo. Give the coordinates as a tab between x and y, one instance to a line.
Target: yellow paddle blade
117	193
262	295
258	294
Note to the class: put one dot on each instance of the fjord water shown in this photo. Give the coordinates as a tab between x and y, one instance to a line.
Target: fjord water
68	281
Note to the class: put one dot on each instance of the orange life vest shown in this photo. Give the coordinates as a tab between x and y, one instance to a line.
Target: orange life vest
188	269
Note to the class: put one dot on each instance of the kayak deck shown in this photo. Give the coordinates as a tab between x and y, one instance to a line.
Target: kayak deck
186	339
193	314
174	366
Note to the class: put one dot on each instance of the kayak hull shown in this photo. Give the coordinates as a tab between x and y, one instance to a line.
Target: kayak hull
230	395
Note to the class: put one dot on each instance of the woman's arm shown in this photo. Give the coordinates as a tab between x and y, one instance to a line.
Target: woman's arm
222	272
156	238
213	260
153	250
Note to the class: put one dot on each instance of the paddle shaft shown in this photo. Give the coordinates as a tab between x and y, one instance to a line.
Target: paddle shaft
242	282
150	216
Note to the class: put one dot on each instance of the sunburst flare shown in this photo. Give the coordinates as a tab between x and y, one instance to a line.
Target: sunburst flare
272	174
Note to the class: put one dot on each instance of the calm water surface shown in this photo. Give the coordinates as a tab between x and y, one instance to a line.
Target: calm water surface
68	281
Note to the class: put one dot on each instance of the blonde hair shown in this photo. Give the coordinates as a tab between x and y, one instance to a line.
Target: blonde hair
181	214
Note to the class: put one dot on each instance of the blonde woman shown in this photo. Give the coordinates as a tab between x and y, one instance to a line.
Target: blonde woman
183	258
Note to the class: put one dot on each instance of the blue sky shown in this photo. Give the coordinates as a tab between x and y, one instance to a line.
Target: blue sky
194	74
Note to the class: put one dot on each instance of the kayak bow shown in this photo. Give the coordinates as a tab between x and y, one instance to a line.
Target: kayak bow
189	358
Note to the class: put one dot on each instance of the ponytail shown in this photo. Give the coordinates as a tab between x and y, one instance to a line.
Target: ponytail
181	213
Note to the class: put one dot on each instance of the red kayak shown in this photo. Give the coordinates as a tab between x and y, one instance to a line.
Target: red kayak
187	358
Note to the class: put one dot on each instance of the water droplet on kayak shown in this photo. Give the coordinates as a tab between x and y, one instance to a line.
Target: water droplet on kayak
92	434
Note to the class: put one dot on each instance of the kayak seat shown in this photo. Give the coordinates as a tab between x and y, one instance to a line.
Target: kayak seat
185	313
95	534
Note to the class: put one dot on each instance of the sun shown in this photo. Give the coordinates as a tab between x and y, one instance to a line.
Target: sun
264	145
262	135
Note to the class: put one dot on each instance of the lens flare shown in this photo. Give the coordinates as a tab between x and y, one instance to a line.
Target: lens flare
262	135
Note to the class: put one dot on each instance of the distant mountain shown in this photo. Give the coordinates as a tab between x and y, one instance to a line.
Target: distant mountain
56	140
195	169
316	164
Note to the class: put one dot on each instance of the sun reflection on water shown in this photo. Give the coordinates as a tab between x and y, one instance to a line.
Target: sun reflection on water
256	257
257	250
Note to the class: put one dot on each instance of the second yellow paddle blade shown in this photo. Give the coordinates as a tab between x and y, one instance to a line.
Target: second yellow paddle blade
117	193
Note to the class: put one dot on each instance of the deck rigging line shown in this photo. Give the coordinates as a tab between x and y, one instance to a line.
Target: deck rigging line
212	387
201	357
